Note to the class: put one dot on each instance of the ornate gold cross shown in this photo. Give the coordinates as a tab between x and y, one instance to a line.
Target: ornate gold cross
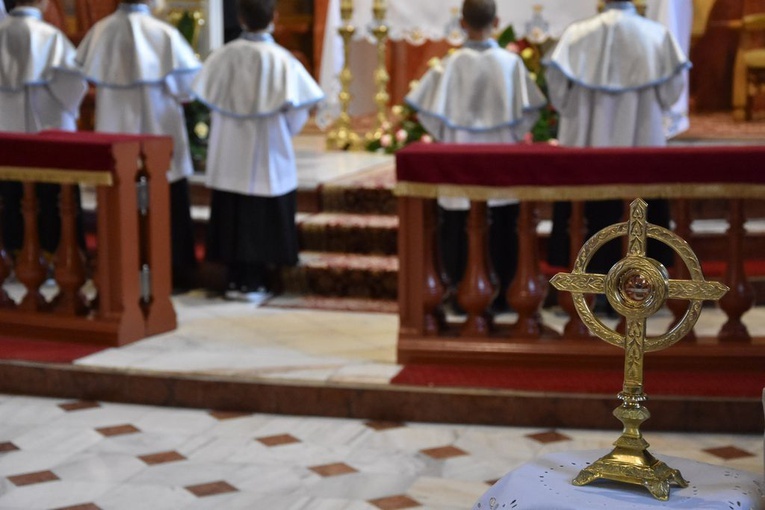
637	287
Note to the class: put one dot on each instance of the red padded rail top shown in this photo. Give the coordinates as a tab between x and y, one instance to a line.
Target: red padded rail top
547	165
63	149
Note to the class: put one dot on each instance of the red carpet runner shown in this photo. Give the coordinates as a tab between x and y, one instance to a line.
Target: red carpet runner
44	351
657	382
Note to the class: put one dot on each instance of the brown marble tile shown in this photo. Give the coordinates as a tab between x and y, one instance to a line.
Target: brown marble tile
395	503
384	425
728	452
279	440
8	447
228	415
336	469
117	430
444	452
211	489
79	405
548	437
33	478
161	458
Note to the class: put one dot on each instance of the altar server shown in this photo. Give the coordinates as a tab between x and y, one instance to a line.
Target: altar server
142	68
260	96
612	77
480	93
41	88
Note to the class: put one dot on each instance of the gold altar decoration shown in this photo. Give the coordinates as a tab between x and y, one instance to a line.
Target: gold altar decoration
637	287
189	21
341	136
381	98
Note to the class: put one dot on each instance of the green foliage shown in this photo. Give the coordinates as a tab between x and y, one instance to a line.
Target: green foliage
187	26
507	36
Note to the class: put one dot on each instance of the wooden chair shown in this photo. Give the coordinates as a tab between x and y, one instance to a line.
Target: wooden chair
754	59
701	11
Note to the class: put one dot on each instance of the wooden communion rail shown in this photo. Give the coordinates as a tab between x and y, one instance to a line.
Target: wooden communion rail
132	266
537	173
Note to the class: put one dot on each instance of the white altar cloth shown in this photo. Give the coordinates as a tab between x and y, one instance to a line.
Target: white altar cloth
417	21
545	484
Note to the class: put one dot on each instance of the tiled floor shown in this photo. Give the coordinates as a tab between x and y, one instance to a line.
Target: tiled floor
68	454
88	455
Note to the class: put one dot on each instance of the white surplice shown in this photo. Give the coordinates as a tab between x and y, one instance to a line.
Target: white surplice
480	93
142	68
41	87
260	96
612	77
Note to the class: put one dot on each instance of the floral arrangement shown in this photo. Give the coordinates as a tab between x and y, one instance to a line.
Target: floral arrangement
403	129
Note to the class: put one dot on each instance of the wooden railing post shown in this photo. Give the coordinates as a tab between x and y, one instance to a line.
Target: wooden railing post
6	265
577	229
420	290
155	236
475	291
682	218
528	290
31	268
740	298
69	260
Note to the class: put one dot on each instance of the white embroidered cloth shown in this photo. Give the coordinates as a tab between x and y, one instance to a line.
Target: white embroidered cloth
545	484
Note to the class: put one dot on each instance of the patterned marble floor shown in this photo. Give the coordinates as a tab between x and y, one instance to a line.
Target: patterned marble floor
57	454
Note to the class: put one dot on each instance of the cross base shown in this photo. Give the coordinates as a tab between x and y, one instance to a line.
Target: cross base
637	467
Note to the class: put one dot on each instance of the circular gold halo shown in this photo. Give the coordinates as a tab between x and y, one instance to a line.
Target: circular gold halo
679	246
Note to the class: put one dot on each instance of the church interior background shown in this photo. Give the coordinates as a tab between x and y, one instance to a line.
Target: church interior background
303	401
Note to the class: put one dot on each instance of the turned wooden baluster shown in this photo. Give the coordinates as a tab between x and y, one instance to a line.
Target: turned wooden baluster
475	291
433	286
682	216
740	297
6	265
31	268
577	228
70	262
527	292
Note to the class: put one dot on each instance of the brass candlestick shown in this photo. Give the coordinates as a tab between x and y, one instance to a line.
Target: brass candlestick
637	287
380	32
341	136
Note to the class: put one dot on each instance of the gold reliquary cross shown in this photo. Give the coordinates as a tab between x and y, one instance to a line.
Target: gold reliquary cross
637	287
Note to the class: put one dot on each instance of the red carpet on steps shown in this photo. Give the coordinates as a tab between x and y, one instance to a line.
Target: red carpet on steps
657	382
44	351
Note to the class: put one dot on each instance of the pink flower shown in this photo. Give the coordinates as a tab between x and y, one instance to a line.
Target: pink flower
426	139
401	135
513	48
528	138
553	141
386	140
